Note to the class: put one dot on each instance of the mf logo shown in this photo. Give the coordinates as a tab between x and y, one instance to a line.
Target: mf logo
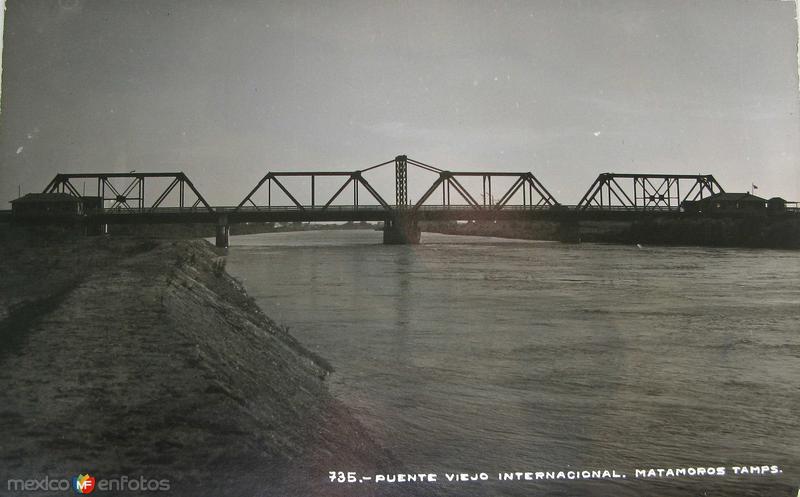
83	484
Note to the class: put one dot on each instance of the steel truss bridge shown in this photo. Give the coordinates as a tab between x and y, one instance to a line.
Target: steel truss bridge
306	196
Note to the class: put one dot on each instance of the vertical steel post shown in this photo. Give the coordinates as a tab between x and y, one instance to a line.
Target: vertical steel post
601	195
401	182
524	196
669	193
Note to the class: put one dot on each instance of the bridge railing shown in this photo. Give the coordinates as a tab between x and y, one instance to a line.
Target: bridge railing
489	208
317	208
349	208
625	208
791	209
295	208
200	209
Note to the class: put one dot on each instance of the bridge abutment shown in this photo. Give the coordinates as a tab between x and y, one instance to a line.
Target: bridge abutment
401	231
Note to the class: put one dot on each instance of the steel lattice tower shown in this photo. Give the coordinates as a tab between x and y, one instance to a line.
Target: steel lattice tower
401	179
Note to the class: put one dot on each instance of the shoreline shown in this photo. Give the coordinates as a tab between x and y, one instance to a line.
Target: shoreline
144	357
746	232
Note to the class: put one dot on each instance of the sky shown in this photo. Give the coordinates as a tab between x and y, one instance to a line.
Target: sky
228	90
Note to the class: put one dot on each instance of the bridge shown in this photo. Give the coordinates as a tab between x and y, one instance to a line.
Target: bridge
321	196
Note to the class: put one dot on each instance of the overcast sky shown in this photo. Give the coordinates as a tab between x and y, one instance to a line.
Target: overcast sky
228	90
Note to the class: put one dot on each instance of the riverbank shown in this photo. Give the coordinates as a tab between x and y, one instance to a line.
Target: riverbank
780	232
141	357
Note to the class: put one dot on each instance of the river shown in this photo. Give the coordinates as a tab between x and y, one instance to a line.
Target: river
468	354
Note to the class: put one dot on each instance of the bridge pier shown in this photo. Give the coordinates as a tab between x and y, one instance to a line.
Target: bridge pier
223	232
401	231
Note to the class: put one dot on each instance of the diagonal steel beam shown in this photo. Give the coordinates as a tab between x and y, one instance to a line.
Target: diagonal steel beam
291	197
165	193
631	203
338	192
464	193
591	193
196	192
512	190
429	191
252	192
377	166
373	192
543	192
422	165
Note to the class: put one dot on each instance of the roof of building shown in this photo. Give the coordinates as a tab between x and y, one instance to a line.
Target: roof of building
734	197
46	197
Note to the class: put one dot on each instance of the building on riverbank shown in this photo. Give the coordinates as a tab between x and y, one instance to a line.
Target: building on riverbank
726	203
56	204
46	204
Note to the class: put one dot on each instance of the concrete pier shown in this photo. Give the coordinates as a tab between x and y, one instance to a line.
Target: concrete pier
223	232
401	231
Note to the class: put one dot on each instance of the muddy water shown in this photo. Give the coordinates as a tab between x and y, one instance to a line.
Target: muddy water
471	355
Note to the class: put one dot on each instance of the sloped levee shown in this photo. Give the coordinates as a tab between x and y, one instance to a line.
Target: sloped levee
131	358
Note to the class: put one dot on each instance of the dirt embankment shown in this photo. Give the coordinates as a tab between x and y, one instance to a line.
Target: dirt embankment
144	358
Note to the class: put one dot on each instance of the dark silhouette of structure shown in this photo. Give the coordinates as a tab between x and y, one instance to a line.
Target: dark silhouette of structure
294	196
647	191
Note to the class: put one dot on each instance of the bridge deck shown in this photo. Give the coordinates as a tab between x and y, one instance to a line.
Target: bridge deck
235	215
